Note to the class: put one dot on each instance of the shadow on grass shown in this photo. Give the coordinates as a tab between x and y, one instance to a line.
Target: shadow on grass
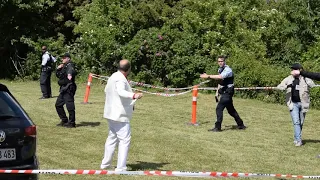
305	141
140	165
206	122
233	127
92	124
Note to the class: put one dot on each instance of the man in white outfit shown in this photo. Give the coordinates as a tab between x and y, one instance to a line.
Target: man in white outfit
118	111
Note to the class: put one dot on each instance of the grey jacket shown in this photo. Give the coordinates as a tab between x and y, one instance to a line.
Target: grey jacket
304	91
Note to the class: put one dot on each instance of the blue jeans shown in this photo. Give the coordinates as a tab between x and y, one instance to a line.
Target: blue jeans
297	119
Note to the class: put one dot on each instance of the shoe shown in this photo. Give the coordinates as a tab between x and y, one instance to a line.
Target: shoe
215	130
43	97
61	123
242	127
69	125
297	143
105	167
120	169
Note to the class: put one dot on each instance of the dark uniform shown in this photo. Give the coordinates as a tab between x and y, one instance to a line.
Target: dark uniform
67	91
226	92
45	76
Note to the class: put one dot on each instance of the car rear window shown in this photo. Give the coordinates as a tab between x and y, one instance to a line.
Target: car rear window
8	107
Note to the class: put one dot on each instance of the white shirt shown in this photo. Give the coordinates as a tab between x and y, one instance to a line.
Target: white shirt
226	73
119	97
46	58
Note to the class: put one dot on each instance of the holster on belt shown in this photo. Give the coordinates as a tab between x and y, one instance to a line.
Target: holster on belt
65	88
226	90
45	68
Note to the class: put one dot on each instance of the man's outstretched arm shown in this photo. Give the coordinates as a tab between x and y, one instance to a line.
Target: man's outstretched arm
311	75
205	76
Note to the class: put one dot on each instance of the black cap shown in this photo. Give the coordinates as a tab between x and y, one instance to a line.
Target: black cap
66	55
296	66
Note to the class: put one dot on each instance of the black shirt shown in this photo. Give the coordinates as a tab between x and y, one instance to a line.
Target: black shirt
295	91
62	74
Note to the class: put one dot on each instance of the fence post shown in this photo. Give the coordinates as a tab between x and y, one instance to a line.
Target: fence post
194	107
86	96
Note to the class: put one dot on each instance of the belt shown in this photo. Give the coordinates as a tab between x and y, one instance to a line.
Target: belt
225	89
229	86
45	68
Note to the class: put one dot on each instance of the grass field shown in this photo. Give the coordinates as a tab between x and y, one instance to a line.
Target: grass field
161	140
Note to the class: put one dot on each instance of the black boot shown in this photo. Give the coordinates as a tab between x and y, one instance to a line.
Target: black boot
61	123
69	125
215	130
243	127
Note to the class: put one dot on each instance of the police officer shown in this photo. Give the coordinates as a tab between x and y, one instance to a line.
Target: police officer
66	73
226	91
45	76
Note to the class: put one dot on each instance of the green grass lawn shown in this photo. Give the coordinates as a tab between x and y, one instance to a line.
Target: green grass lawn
161	140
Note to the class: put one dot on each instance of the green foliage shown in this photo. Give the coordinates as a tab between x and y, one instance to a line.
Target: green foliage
169	42
27	25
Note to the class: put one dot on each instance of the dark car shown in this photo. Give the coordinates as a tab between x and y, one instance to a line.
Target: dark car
18	138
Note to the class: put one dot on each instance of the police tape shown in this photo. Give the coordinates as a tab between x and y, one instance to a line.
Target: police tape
165	88
147	92
242	88
158	173
186	88
96	75
99	77
189	89
209	88
152	86
163	94
247	88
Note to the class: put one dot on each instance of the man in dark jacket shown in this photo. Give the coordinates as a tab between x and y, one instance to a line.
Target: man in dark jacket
66	73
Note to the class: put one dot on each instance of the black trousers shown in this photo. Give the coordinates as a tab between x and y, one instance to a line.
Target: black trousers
67	98
226	102
45	84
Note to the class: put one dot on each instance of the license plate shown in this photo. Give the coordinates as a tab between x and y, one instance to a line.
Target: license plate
7	154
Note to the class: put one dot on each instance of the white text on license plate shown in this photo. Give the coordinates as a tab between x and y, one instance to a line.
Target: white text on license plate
7	154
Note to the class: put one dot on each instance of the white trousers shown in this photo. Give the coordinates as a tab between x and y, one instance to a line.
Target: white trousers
119	134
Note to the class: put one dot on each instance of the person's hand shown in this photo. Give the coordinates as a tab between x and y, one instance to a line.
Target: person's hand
217	98
204	75
60	66
295	72
138	95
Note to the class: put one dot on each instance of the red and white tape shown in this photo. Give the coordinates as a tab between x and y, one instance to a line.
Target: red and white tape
175	89
163	94
242	88
165	88
103	78
149	85
186	88
157	173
